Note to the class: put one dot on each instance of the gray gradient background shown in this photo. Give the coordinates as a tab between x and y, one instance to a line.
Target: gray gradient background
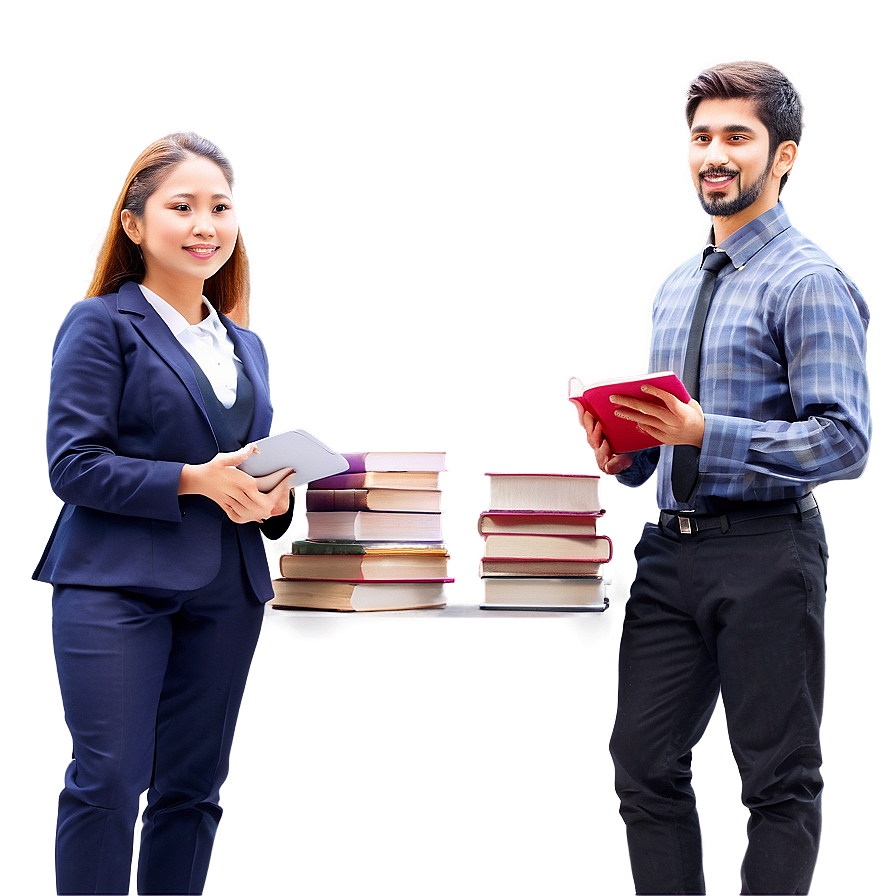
449	208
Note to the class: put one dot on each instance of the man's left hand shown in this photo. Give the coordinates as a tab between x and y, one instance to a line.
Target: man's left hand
672	422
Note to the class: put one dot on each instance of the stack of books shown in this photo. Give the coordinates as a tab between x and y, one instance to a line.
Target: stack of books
374	538
543	550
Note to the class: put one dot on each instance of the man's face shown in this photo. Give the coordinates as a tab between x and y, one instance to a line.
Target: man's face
729	157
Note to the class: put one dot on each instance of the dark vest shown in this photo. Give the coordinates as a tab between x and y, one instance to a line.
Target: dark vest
230	425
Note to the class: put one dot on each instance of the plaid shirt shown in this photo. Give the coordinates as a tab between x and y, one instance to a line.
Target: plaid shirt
783	384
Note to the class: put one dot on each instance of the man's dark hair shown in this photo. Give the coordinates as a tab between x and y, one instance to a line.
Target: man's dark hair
778	105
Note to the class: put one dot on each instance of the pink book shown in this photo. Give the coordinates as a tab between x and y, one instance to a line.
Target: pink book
624	435
398	461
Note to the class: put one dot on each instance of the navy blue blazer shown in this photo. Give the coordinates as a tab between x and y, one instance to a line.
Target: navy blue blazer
125	415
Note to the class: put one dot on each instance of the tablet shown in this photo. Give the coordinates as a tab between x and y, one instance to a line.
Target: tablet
295	449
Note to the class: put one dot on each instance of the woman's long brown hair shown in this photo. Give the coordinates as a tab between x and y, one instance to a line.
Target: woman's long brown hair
119	260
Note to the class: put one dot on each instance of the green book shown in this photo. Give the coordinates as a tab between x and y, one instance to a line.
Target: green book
327	547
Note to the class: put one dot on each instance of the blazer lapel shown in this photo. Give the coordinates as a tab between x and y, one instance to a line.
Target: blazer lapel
253	365
159	337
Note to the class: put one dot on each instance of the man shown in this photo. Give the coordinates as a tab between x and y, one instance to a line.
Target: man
730	588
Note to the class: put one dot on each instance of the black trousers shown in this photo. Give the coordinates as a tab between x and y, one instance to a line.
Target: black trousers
151	684
738	611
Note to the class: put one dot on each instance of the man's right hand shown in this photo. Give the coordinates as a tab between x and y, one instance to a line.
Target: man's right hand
607	462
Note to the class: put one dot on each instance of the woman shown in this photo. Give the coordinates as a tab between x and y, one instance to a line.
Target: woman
158	569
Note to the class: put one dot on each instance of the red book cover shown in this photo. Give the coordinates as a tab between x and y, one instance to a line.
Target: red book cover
624	435
539	522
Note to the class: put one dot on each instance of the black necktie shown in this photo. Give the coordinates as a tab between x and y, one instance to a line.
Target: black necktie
684	457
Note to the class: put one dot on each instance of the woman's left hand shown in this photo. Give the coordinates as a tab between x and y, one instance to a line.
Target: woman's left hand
279	495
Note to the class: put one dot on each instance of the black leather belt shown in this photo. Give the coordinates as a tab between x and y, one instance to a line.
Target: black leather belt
691	523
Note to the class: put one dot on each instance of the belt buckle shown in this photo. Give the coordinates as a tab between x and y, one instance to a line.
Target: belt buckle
684	525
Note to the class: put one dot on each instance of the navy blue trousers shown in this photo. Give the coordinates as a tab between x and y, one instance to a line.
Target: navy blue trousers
738	612
151	685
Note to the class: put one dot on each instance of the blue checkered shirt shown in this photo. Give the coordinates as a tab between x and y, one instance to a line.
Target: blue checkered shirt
783	384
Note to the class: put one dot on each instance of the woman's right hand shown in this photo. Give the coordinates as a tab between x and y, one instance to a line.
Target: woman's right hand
234	491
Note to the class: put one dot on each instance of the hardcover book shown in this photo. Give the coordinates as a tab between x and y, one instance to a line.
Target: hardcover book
534	522
558	547
539	567
544	492
328	547
395	461
368	547
418	479
368	566
347	596
369	525
385	499
545	594
624	435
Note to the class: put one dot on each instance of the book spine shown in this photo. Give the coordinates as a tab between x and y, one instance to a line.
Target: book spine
321	566
357	462
339	480
327	547
334	499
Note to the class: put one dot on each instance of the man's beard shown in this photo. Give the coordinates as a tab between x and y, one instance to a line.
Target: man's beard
725	208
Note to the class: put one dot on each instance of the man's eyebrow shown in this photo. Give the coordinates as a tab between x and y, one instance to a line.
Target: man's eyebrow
727	129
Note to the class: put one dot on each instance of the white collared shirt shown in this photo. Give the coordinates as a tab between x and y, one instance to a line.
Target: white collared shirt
208	342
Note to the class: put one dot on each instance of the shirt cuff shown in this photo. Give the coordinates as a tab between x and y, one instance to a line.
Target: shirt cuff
726	441
643	465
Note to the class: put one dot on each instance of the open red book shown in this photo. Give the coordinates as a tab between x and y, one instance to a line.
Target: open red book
624	435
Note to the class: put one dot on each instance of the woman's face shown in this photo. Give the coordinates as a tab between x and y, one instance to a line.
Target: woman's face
188	229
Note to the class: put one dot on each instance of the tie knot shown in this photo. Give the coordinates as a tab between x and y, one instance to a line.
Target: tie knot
714	261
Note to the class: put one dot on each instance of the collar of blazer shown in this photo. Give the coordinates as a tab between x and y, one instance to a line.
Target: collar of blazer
159	337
